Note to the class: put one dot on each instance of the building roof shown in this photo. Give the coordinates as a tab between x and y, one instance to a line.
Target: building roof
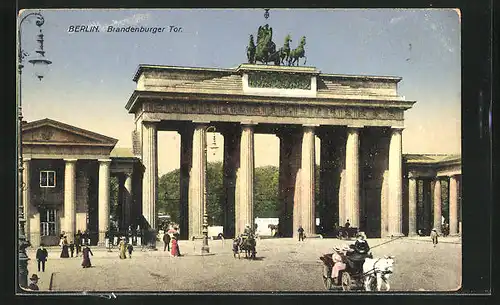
121	152
432	158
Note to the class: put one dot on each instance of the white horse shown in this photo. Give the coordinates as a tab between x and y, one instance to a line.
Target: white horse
379	269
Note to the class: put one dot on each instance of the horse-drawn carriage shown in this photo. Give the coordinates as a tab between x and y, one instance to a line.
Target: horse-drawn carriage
347	232
351	277
246	244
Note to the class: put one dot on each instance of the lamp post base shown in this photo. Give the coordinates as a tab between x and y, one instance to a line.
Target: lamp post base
205	248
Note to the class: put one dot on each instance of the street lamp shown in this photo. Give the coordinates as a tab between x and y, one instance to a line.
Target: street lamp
205	248
42	62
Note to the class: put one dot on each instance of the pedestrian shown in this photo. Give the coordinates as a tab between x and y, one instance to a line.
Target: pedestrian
177	236
64	245
301	233
86	252
130	248
123	248
78	242
175	247
166	242
34	282
41	257
138	233
434	237
71	248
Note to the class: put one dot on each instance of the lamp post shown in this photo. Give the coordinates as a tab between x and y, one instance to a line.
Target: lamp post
205	248
39	61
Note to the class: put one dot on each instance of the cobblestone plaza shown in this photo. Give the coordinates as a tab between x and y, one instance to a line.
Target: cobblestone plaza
283	265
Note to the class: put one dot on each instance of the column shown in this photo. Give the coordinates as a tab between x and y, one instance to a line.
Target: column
103	199
185	167
412	205
285	218
437	205
231	158
69	198
128	199
32	233
121	208
308	181
395	203
453	206
150	178
245	179
351	208
197	181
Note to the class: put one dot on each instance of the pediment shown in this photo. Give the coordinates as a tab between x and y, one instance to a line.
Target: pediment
48	131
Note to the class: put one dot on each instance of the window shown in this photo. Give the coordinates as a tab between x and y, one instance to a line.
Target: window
48	222
47	179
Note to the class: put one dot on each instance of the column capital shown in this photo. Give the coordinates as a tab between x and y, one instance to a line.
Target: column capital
355	126
151	121
248	123
26	159
200	122
104	161
397	128
70	160
412	175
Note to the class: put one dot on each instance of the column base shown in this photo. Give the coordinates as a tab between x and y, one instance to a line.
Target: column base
391	235
102	239
34	239
413	234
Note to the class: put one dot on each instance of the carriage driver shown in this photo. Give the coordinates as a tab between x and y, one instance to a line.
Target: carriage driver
247	231
361	245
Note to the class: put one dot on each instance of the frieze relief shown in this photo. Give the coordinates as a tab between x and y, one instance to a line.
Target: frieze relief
301	111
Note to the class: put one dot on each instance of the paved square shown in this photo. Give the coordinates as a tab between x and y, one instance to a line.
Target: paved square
281	265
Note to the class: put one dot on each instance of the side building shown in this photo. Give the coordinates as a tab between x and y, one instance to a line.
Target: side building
66	182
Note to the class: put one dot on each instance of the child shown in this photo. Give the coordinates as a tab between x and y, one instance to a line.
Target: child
434	237
130	248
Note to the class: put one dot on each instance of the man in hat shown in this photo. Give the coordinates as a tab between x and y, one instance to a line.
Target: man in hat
301	233
34	282
361	245
41	257
166	241
434	237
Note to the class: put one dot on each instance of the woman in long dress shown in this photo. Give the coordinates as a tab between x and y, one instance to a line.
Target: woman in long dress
86	252
64	245
123	248
175	247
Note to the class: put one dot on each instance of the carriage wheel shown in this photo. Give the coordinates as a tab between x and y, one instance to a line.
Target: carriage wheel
346	281
327	281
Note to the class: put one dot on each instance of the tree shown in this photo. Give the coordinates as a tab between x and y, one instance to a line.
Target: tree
169	195
266	200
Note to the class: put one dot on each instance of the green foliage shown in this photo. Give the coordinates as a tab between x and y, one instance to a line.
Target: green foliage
265	188
266	198
113	197
169	195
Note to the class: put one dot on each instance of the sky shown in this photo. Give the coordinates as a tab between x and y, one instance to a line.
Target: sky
90	78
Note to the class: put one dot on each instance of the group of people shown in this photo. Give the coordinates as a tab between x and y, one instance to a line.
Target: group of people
67	248
125	247
171	242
